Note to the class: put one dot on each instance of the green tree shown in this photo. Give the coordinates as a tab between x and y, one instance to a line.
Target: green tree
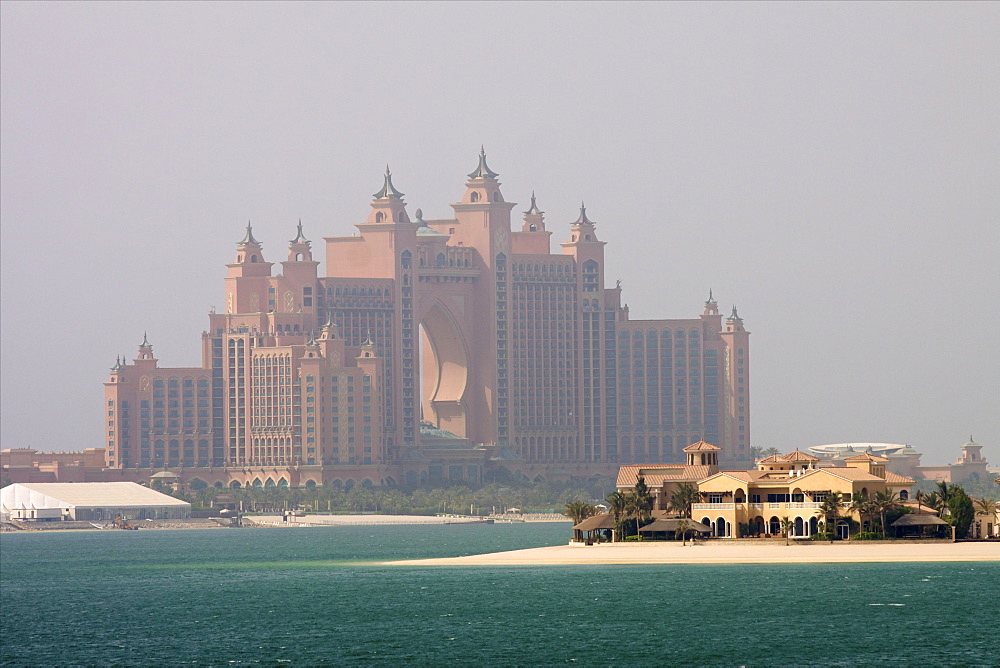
946	492
862	505
960	511
578	511
640	503
985	506
755	452
786	527
934	502
770	452
618	505
683	526
830	507
683	496
885	501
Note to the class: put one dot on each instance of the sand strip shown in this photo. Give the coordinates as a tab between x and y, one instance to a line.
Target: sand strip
723	553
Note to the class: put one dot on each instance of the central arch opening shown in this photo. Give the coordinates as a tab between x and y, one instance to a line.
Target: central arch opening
444	371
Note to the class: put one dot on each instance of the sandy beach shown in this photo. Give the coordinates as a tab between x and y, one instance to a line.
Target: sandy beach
724	553
376	520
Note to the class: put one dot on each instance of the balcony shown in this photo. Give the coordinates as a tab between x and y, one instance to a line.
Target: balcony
714	506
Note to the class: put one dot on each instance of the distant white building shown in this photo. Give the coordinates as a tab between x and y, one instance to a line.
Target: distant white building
88	501
903	458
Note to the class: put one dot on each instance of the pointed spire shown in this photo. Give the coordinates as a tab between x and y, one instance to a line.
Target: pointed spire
534	207
368	340
300	238
248	238
735	315
710	299
388	190
483	171
583	220
145	342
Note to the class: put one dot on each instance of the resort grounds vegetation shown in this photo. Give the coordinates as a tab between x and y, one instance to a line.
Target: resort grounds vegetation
442	497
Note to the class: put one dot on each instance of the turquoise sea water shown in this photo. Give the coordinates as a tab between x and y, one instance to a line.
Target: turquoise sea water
316	597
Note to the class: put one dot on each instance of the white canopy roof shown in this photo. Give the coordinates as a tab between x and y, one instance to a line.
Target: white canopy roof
84	495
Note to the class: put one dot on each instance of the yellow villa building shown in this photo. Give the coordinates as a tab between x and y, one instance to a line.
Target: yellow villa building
792	485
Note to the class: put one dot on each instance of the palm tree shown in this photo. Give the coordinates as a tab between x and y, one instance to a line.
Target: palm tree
639	506
861	505
617	504
946	494
786	527
985	506
831	510
934	502
885	501
683	525
683	496
756	451
770	452
640	503
578	511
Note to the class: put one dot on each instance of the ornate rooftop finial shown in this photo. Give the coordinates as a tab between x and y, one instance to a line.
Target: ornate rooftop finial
248	237
145	341
483	171
300	238
387	188
368	339
711	300
583	220
534	207
735	315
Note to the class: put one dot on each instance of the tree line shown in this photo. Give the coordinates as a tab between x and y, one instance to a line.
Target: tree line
456	498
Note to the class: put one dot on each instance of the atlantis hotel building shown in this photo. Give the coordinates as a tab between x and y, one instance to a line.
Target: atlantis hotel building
433	349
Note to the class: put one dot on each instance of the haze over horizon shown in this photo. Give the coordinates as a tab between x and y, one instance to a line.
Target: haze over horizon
830	169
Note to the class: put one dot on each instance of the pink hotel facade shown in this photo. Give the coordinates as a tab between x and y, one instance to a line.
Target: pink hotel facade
433	349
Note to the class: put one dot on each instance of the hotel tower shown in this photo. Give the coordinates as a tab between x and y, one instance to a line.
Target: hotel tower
433	349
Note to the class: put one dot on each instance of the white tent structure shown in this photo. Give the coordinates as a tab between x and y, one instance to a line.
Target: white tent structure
96	501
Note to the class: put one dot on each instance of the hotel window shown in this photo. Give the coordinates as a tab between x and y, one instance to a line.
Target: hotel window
715	498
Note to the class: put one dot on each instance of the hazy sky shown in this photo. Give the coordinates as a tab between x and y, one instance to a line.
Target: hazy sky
833	169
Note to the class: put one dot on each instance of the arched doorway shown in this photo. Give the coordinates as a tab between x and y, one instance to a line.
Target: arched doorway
799	527
721	527
774	526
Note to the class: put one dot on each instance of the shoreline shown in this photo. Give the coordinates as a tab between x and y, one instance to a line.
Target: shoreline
304	522
707	553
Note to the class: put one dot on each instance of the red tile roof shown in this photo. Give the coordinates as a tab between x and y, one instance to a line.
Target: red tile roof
866	456
701	445
655	476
